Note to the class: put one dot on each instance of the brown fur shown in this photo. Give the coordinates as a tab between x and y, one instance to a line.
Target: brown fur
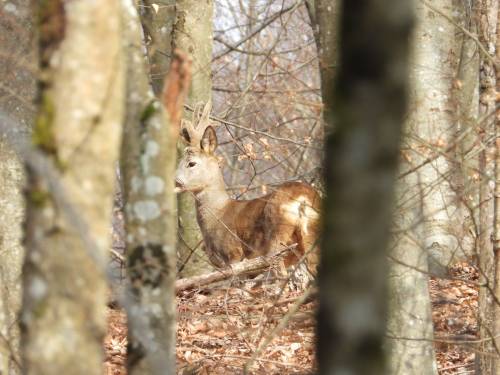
234	230
245	229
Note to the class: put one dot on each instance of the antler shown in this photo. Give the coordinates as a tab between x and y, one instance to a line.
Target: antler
192	131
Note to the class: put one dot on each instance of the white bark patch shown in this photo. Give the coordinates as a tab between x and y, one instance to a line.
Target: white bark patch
10	8
37	288
135	184
130	7
145	163
154	185
146	210
152	148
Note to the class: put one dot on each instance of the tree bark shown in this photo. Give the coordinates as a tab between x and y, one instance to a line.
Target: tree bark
432	128
409	328
78	128
158	21
148	165
487	14
324	16
192	33
363	113
426	200
17	88
496	200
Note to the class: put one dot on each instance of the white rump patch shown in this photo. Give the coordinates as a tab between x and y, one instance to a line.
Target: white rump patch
300	211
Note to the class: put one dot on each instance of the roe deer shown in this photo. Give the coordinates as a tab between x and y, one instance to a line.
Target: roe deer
237	229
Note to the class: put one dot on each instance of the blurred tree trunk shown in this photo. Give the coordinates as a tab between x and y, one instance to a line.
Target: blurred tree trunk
193	34
363	112
80	103
17	88
148	166
487	14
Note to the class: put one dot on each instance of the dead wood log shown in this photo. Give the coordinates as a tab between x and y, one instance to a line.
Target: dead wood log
249	266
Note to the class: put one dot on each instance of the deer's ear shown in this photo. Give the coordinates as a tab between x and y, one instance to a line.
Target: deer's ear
185	136
208	142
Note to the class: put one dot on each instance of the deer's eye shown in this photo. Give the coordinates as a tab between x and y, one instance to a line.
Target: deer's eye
191	164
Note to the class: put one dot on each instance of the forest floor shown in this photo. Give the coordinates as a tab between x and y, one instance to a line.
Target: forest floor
218	330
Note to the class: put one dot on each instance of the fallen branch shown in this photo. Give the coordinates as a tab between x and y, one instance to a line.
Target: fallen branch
249	266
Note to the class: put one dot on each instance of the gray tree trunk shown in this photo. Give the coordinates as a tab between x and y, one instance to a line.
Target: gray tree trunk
324	15
158	19
432	128
426	203
17	88
363	112
193	34
148	166
78	129
409	328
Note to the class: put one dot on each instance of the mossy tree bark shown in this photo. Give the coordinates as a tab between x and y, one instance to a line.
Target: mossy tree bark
192	33
364	111
17	77
78	129
148	166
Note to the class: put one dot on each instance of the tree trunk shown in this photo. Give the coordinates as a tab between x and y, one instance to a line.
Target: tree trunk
409	327
158	21
426	200
487	14
148	165
496	201
77	128
193	34
17	90
432	128
324	15
363	113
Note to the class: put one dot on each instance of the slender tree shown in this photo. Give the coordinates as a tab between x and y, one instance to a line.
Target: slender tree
426	201
193	33
364	111
80	103
148	165
158	19
487	14
496	201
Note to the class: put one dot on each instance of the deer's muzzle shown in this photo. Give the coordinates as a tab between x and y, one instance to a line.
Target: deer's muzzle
179	187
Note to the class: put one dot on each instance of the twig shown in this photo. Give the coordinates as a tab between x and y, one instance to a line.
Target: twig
282	324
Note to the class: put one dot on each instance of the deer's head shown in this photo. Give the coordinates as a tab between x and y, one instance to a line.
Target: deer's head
198	168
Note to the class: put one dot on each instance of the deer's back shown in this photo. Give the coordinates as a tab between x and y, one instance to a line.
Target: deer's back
246	228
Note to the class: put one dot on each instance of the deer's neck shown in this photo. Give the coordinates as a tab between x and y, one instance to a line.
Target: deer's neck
212	200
